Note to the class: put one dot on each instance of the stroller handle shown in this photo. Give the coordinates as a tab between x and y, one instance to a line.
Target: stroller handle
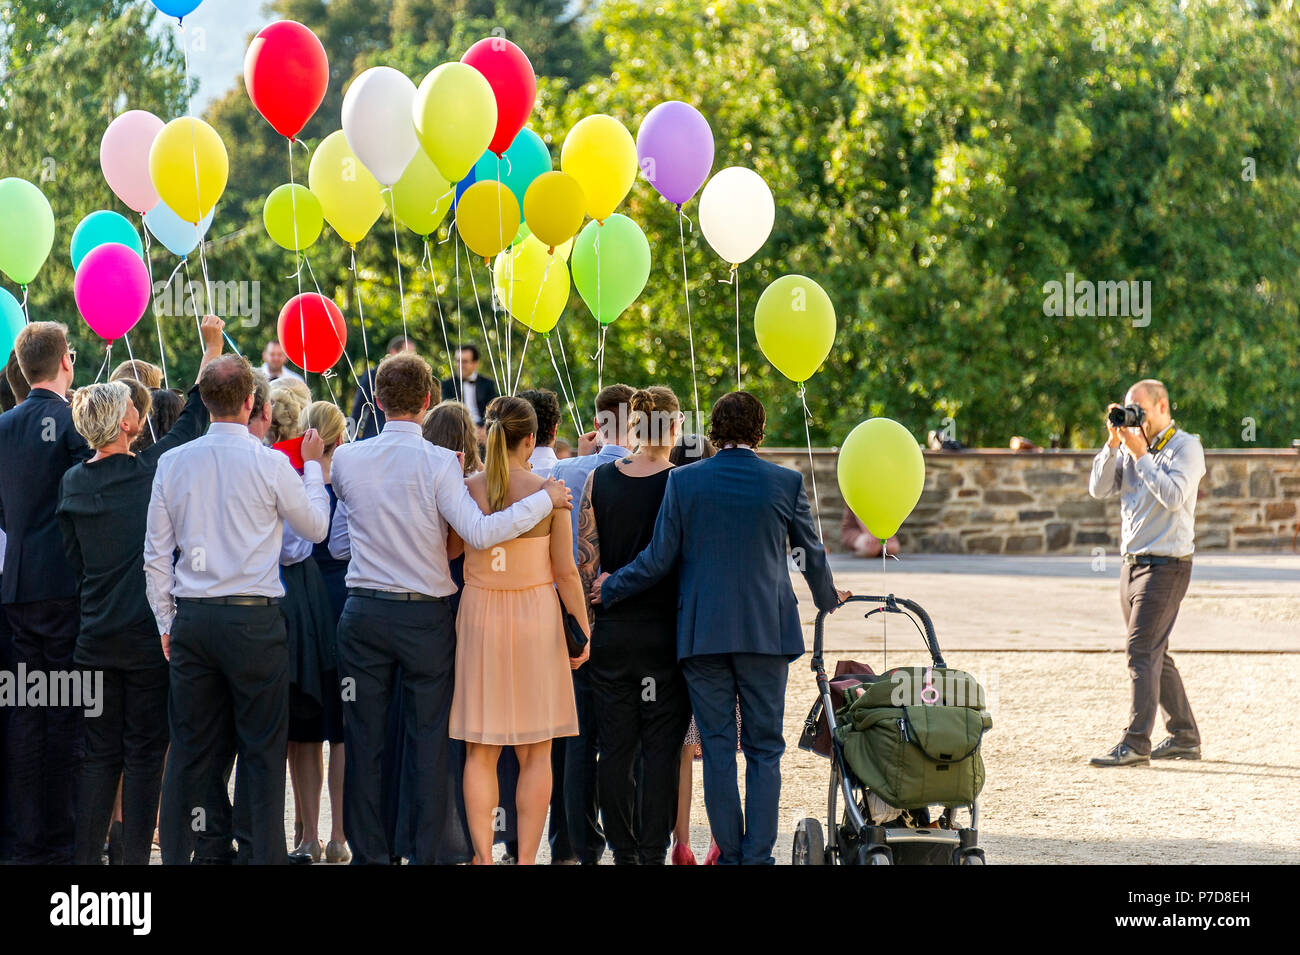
889	604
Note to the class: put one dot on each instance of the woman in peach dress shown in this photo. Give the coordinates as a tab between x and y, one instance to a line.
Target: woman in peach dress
513	681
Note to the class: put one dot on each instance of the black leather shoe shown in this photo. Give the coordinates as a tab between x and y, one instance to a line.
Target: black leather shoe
1121	755
1170	749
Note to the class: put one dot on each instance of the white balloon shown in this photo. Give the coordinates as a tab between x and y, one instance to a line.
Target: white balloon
737	212
377	122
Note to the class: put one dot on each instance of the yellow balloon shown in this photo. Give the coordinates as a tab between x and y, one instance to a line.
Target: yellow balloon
292	217
350	197
554	207
422	196
794	323
600	154
533	284
189	167
881	472
487	217
455	114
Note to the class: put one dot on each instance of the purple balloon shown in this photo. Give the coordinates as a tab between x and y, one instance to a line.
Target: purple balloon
674	148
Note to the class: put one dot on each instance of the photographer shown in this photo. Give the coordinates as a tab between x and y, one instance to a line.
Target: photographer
1156	474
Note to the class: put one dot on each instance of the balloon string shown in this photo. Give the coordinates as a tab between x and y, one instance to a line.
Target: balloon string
194	154
568	398
884	617
482	321
600	328
455	375
690	331
397	254
365	344
131	355
24	305
812	471
545	272
501	240
735	280
153	301
108	356
297	256
572	390
203	264
442	321
328	373
189	287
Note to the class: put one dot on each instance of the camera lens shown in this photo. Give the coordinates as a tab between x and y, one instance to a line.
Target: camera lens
1117	416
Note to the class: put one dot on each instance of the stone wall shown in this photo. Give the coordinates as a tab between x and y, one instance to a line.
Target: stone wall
998	501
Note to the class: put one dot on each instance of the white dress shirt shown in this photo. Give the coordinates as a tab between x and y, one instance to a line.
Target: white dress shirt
469	395
397	493
222	500
542	460
285	372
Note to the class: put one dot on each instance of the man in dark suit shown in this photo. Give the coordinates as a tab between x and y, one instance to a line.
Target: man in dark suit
724	526
38	444
366	413
475	391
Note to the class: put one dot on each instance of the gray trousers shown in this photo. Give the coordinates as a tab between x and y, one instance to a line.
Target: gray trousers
1149	597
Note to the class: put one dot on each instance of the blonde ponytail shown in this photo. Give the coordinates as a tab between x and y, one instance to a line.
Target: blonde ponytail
509	420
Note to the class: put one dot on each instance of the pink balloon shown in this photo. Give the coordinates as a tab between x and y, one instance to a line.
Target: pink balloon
112	290
124	157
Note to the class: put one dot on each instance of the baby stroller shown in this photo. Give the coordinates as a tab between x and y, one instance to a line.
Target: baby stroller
904	752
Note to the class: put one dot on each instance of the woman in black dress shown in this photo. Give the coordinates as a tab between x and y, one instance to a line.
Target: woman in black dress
638	690
103	512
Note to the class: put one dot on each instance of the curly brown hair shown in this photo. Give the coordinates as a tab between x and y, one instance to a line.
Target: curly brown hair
737	418
403	384
547	406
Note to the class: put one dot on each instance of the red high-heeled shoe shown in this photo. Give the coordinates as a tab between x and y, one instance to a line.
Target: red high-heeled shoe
714	854
682	855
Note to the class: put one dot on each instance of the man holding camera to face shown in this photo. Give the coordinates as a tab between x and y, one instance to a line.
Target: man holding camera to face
1155	468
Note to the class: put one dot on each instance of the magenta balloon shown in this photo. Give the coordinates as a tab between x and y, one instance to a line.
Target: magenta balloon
124	157
112	290
674	148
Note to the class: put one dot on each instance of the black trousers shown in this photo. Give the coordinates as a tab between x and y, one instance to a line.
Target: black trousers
229	666
1149	597
126	741
6	813
44	743
643	709
375	638
580	795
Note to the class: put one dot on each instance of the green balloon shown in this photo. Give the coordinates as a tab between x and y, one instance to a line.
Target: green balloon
794	323
279	212
26	230
881	472
624	256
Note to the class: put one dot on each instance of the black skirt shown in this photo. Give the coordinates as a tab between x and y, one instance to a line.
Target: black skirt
315	711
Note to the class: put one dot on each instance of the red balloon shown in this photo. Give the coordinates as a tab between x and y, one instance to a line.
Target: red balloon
316	320
286	73
513	84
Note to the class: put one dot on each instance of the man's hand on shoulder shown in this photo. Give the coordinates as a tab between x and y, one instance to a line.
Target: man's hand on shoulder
561	498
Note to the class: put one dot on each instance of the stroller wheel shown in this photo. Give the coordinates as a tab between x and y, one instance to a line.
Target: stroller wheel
809	843
875	855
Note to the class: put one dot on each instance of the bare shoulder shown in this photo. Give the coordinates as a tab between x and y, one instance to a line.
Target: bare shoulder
476	484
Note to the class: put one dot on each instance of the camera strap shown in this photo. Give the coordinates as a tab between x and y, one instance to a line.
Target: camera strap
1159	445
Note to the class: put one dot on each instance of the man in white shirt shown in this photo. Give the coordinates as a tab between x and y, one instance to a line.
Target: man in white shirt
220	501
273	362
397	496
547	407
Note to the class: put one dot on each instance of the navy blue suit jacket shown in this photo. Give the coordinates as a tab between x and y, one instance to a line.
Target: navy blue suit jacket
724	526
37	445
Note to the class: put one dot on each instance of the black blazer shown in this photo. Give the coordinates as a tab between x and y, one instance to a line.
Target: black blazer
365	412
485	389
38	444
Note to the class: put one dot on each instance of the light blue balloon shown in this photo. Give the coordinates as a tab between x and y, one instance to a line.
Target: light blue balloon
175	233
100	228
12	321
523	161
177	8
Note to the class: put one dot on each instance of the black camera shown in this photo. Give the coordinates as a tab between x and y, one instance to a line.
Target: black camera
1130	416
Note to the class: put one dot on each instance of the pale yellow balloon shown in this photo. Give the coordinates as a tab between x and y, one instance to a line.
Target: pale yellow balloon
455	115
533	284
189	167
350	197
422	196
600	153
